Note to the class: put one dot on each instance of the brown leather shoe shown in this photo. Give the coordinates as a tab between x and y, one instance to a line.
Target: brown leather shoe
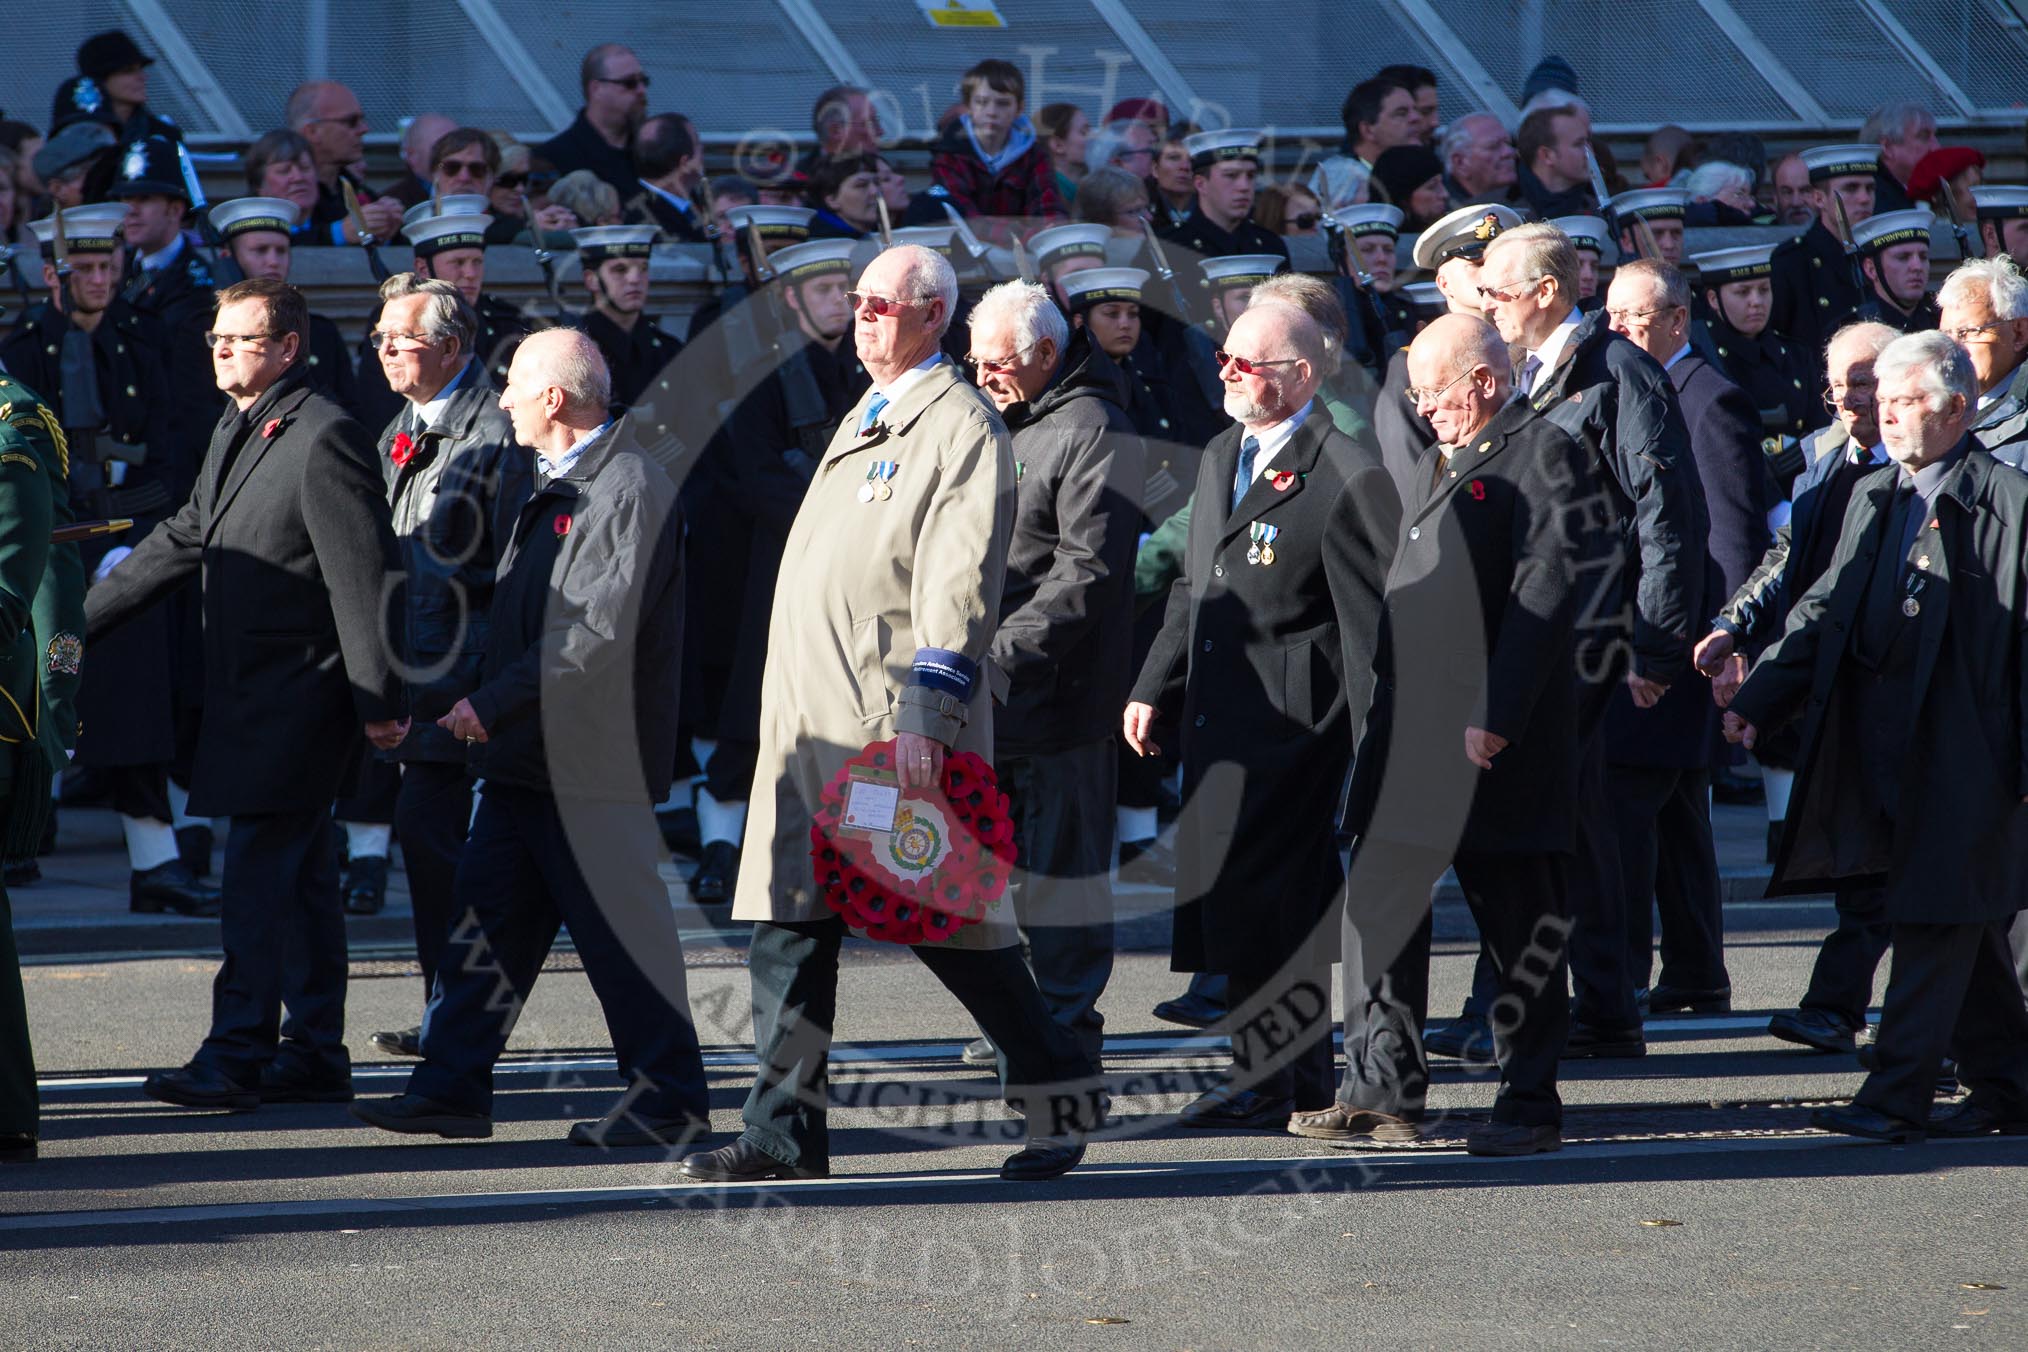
1339	1123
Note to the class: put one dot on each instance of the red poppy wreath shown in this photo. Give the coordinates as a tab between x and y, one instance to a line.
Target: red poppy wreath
946	860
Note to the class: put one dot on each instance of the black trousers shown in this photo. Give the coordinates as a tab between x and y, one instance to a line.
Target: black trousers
728	776
1518	902
432	814
374	803
1841	982
283	931
19	1111
794	970
137	790
1603	986
1951	986
1280	1025
1063	809
531	866
1669	864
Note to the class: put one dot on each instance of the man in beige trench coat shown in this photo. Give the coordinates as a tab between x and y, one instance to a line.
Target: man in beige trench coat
883	613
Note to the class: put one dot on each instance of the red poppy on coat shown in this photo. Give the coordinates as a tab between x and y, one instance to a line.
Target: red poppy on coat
562	525
274	425
1477	490
403	449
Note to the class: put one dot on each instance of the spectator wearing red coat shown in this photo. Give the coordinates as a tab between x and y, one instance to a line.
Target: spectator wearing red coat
990	165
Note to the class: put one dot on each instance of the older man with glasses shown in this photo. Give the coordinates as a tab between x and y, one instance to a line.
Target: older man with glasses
1602	389
1907	668
1833	1009
1984	307
882	629
1264	668
288	535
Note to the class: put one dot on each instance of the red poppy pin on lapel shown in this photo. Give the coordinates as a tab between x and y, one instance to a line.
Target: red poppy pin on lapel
1281	479
1477	490
274	425
403	449
562	524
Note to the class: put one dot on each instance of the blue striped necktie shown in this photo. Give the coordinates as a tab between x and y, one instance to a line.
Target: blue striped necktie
872	414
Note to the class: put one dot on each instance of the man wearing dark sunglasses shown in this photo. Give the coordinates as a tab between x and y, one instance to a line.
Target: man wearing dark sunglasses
601	138
328	116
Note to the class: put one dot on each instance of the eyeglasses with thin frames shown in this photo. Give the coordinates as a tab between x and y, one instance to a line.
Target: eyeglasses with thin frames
235	339
1416	396
636	81
1002	365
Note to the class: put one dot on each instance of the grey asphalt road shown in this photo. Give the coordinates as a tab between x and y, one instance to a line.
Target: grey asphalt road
1692	1207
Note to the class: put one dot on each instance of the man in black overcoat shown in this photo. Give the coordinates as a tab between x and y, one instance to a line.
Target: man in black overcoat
1659	759
1264	660
289	528
1619	405
1469	756
1907	664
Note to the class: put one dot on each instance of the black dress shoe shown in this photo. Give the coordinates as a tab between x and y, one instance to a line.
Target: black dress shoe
1147	861
199	1086
1467	1038
1854	1119
17	1147
1818	1028
366	885
1513	1138
1199	1006
1339	1123
1679	1000
414	1115
717	871
406	1042
290	1083
1973	1118
679	831
170	887
1586	1040
742	1162
622	1128
980	1052
193	847
1229	1109
21	873
1043	1157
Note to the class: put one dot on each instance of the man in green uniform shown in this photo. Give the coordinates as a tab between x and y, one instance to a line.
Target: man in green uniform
41	619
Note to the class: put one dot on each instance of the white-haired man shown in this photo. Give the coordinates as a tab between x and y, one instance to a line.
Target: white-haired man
1833	1008
572	727
1984	309
1908	667
882	628
1065	636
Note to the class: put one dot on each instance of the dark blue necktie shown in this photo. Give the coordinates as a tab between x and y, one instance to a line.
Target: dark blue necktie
1248	449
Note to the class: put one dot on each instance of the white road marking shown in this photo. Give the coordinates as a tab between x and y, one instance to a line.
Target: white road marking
1350	1160
1171	1044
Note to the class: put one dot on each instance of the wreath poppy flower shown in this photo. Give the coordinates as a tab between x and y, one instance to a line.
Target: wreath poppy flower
970	874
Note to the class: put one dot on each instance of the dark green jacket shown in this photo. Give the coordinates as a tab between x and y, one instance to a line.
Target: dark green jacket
41	585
